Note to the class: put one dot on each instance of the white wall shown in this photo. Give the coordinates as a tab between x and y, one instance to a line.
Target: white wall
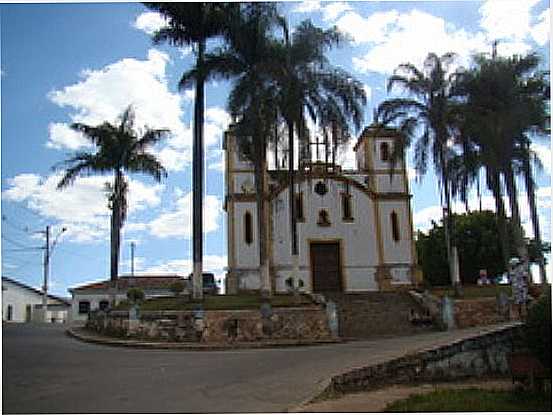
390	184
400	251
19	298
94	300
357	239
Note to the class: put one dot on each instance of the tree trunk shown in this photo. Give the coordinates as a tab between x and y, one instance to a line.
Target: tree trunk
531	193
198	179
448	224
495	186
291	191
115	234
515	213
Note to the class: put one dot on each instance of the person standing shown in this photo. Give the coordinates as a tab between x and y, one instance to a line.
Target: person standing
519	285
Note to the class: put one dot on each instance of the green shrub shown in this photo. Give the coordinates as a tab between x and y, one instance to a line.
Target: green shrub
135	295
177	287
538	329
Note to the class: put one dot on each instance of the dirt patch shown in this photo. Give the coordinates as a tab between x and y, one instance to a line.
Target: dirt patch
377	400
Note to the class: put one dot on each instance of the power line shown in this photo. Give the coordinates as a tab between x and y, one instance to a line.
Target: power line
11	223
19	244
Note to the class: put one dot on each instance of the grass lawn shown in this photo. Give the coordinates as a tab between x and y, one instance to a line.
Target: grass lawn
473	400
473	291
219	302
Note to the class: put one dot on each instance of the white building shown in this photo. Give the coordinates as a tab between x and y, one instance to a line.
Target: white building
354	228
23	304
96	295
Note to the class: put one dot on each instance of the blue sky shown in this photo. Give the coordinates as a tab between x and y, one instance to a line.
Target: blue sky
64	63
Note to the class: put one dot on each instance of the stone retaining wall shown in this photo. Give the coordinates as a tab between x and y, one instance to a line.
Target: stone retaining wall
477	356
478	312
465	313
293	323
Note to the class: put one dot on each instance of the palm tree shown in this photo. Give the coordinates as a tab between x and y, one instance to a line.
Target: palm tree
119	150
193	24
429	117
505	101
307	83
245	59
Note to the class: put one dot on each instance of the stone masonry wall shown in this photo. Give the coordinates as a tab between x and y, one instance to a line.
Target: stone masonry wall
294	323
477	356
477	312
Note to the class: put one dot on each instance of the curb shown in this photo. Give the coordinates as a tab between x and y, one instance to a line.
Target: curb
77	334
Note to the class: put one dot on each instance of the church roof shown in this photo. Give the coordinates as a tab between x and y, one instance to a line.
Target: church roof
377	130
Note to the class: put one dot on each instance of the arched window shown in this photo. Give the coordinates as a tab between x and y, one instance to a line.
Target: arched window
346	207
395	226
248	228
384	151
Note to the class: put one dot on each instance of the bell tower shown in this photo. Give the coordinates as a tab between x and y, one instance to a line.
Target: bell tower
387	181
240	206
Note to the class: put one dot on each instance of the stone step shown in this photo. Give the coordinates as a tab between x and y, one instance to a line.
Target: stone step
366	315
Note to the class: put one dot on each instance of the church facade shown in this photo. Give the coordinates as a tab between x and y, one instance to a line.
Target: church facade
354	227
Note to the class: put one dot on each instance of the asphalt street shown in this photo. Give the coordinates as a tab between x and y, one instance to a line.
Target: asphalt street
45	371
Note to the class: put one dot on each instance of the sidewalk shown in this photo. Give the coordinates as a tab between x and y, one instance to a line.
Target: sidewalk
88	336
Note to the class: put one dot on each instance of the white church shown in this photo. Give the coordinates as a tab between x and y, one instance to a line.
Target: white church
354	227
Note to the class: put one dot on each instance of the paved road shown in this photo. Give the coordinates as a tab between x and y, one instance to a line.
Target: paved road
44	371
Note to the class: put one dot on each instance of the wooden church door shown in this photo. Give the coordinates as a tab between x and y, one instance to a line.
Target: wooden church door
325	267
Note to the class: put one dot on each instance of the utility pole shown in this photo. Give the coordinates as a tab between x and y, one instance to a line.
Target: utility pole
132	259
46	270
47	254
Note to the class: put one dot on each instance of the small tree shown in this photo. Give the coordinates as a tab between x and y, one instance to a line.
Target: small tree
177	287
135	295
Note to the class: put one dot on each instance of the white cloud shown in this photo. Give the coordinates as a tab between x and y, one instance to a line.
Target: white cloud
397	38
61	136
149	22
189	94
394	38
211	263
506	19
307	6
178	223
103	94
332	10
81	207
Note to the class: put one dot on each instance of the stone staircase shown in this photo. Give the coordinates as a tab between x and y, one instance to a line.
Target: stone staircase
367	315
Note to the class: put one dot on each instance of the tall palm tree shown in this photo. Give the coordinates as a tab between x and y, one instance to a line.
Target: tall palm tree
429	118
193	24
505	101
118	150
245	59
308	85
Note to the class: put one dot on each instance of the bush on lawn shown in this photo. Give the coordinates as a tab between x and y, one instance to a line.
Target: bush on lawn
135	295
538	329
177	287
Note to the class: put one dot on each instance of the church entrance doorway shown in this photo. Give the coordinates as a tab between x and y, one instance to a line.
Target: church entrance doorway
325	266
